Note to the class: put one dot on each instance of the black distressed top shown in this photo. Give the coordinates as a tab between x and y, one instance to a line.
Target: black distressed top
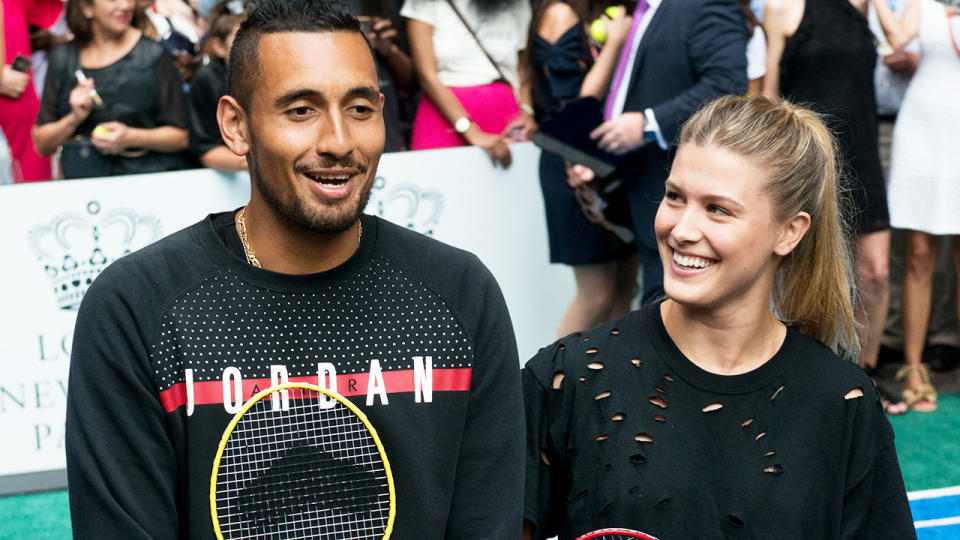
638	436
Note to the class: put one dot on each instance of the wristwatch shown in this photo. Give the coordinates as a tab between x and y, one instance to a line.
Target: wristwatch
462	124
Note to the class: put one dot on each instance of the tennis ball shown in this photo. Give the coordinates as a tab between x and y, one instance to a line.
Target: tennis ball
100	130
598	29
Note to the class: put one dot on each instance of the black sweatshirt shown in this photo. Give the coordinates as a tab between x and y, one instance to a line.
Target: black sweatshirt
165	334
638	436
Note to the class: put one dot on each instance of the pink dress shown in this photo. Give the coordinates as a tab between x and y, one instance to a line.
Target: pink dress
17	116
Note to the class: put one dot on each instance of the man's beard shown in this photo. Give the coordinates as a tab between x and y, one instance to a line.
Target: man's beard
332	218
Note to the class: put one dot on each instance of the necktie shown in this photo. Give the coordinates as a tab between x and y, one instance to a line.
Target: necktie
628	45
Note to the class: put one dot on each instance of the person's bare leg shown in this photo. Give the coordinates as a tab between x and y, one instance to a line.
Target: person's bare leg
919	263
596	292
873	281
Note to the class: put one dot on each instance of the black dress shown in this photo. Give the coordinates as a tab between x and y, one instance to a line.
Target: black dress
827	65
142	90
638	436
560	68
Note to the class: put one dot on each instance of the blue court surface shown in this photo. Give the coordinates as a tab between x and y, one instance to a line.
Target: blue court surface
936	513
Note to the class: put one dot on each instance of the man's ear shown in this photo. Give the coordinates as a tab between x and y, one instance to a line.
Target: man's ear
233	125
791	233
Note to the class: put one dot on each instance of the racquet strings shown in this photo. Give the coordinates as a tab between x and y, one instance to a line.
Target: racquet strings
308	472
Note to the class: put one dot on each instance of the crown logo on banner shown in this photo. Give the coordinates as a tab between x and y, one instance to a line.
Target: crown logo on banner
410	205
74	248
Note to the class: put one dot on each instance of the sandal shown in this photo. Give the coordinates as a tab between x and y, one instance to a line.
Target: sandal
925	393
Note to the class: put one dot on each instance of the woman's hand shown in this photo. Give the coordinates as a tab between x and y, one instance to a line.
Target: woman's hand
617	29
13	83
495	145
521	128
579	175
110	137
381	35
81	103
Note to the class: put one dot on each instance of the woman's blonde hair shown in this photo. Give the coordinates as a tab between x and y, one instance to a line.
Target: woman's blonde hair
814	289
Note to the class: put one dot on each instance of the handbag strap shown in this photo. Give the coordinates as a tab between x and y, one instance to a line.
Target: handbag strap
477	39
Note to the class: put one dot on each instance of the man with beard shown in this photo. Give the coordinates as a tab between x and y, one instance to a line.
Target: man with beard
297	285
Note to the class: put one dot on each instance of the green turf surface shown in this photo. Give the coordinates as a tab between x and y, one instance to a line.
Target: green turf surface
42	515
926	443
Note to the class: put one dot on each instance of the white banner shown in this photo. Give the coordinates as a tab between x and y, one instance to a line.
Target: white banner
57	236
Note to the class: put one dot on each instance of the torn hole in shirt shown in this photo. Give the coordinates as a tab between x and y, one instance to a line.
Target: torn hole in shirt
712	407
854	394
658	401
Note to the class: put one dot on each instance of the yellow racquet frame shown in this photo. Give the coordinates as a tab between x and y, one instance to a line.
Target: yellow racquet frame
305	386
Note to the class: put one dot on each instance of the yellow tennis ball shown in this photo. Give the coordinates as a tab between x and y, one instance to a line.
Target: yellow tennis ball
100	130
598	30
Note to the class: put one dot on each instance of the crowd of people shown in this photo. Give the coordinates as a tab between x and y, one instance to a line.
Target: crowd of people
753	140
131	86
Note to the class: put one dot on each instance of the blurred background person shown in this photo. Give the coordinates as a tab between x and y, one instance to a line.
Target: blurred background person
756	50
380	21
44	39
175	25
677	56
467	98
18	96
821	53
139	124
209	84
924	172
562	59
891	77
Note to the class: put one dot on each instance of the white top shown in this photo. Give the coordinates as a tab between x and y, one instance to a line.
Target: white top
757	54
460	61
924	184
890	86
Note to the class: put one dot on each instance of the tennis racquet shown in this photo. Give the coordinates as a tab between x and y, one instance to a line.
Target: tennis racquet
299	461
615	534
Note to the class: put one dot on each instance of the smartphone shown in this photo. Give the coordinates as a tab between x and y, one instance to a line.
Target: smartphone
20	64
366	23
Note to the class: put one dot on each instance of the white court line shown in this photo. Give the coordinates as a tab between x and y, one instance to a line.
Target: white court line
933	493
941	522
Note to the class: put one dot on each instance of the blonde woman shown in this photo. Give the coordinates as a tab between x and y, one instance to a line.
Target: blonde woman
712	414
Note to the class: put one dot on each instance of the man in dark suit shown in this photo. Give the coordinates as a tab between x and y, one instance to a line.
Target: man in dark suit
680	55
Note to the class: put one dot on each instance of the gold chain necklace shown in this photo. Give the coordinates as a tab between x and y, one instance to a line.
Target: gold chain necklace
248	249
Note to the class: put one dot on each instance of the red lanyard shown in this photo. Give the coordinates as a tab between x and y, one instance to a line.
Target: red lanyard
953	40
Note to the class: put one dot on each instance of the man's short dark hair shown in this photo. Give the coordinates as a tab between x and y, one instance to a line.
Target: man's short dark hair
274	16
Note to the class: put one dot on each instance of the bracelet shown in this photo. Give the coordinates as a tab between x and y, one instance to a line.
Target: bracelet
527	109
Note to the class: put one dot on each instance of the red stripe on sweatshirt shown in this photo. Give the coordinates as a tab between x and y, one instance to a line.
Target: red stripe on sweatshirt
352	384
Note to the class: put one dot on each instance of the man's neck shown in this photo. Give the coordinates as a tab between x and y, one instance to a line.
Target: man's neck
285	247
